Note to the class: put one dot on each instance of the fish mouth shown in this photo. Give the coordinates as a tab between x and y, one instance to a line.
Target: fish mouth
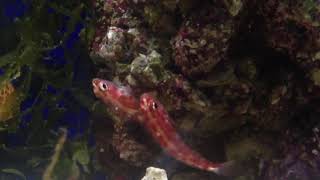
95	82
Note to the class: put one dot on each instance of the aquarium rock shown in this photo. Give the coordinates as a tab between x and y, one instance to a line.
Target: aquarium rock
153	173
129	149
293	29
203	39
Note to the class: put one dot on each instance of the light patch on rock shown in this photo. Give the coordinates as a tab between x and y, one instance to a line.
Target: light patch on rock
153	173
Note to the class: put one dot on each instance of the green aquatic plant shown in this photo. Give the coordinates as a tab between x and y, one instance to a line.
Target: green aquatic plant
39	53
38	71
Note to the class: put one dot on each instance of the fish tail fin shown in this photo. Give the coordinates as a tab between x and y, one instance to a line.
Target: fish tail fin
228	169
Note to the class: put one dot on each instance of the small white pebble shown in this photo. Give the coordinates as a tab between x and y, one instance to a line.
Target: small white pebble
203	42
153	173
315	152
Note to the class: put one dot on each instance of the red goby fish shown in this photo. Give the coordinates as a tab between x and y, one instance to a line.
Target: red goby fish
153	116
119	97
158	123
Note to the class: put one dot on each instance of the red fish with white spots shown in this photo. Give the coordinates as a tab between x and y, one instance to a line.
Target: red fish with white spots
153	116
158	123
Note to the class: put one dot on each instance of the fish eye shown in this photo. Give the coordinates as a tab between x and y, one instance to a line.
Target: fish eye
154	106
103	86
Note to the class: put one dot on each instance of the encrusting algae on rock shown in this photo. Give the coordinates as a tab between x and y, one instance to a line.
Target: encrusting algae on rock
293	28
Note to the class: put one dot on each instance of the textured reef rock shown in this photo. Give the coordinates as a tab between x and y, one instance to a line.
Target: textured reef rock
147	69
237	98
119	44
113	44
203	39
237	71
300	158
115	23
128	148
292	27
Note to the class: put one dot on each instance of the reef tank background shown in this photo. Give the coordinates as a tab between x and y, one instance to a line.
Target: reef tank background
240	80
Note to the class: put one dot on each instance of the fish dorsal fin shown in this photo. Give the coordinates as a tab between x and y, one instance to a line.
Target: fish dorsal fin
125	90
127	97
